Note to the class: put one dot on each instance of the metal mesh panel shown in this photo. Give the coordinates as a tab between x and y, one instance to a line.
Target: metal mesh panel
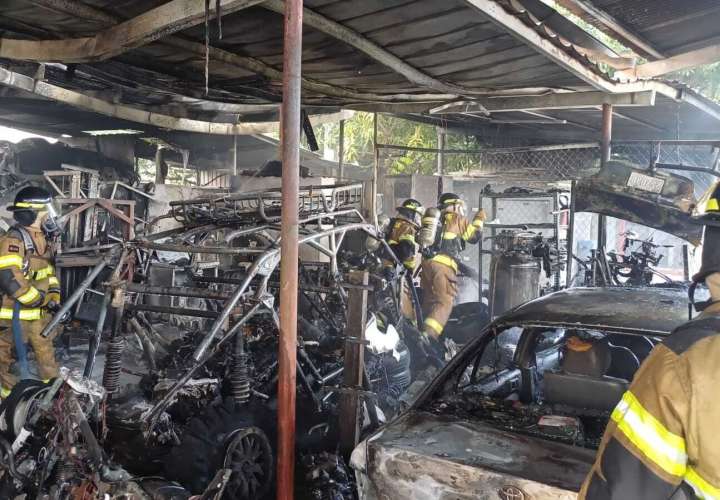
642	154
535	167
547	163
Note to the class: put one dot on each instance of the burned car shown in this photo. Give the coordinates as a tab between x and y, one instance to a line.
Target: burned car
517	414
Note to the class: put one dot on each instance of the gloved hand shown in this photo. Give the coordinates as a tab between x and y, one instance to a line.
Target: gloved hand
480	215
53	306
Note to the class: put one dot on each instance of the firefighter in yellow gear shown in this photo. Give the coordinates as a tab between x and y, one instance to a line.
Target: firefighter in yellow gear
402	231
438	279
400	236
27	276
660	442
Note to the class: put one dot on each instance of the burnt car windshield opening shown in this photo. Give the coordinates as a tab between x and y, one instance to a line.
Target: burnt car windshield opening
557	383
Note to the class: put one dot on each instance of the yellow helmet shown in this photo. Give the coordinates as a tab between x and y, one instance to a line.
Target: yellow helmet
707	209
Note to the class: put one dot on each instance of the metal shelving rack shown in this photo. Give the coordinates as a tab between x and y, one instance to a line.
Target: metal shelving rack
555	225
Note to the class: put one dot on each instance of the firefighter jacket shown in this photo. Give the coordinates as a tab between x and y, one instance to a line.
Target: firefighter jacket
26	273
401	239
455	231
662	435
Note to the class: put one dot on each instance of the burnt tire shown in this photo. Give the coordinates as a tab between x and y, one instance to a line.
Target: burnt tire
225	436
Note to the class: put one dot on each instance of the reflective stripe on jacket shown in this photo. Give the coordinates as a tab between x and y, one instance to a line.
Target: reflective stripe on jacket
662	435
401	239
456	230
26	277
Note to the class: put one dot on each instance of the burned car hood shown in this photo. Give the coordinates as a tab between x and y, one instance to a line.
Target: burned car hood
443	453
655	199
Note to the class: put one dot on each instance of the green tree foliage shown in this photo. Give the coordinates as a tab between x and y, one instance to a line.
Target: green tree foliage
705	79
398	131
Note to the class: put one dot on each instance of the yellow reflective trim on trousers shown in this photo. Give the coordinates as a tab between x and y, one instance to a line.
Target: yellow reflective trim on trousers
703	489
435	325
25	314
5	392
469	232
11	261
407	237
29	297
448	261
449	235
650	436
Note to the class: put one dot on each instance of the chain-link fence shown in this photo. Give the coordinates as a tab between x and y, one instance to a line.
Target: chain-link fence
543	168
536	163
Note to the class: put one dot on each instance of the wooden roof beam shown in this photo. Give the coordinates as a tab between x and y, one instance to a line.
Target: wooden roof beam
613	27
566	100
706	55
149	26
144	116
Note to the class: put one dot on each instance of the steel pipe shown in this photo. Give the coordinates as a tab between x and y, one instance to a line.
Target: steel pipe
290	146
179	311
165	247
79	291
176	291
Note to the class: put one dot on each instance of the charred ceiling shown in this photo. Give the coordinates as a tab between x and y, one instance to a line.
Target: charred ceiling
399	56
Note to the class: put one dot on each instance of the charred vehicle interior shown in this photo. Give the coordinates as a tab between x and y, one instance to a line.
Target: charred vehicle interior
557	367
557	383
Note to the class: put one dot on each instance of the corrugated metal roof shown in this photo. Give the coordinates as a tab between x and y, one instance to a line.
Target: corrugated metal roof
449	40
672	26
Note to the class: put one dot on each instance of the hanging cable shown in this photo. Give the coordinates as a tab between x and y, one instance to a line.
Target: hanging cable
219	18
207	47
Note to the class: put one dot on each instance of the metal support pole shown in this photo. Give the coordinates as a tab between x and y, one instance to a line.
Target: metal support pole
376	174
290	147
570	238
606	139
350	406
605	153
441	152
235	155
341	151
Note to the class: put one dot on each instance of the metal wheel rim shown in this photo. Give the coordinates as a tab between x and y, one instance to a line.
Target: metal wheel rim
249	455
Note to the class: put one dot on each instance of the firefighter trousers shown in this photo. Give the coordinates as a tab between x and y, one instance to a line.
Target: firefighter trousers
439	286
42	347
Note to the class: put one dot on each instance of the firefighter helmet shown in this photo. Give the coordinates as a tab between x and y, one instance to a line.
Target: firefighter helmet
449	199
31	198
707	209
29	202
452	201
412	210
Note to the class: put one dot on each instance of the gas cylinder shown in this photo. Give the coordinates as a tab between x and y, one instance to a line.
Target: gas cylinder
429	228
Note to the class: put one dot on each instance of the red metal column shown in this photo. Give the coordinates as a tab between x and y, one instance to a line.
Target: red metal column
290	146
607	116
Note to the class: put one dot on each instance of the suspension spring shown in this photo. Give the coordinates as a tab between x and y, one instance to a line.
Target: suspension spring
113	364
66	470
240	376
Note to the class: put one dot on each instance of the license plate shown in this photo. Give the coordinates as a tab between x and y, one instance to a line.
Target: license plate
645	183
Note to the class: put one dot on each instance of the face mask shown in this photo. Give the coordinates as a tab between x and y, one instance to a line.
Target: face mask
25	217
